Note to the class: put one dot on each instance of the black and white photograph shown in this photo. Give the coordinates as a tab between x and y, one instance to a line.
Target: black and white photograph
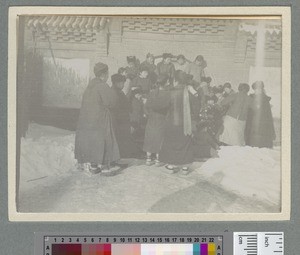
151	115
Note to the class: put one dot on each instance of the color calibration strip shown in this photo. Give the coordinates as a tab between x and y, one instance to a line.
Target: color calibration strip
134	249
93	245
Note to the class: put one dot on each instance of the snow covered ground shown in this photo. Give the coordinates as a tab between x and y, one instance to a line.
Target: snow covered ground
246	171
242	179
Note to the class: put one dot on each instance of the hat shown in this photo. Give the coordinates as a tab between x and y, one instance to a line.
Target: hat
131	59
227	85
199	58
149	55
180	57
258	85
167	55
116	78
100	68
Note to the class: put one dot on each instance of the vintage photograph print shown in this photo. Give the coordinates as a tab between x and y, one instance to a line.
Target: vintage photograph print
150	117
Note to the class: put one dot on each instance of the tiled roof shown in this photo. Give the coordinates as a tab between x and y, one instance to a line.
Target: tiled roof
270	26
69	23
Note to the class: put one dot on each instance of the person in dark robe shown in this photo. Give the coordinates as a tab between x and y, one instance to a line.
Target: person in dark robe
177	148
166	66
140	88
260	131
142	81
95	142
234	122
121	119
150	66
155	127
132	67
227	89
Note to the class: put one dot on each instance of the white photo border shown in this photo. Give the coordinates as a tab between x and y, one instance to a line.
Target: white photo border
213	12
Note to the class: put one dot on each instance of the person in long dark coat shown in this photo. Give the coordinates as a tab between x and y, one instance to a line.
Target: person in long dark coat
260	130
121	119
234	122
155	127
151	67
95	142
166	66
177	148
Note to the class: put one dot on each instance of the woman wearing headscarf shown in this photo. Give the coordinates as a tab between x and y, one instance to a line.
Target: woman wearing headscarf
234	121
177	146
95	142
260	130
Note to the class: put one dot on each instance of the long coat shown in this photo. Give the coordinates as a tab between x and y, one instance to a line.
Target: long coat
95	140
121	123
260	130
177	148
155	128
234	121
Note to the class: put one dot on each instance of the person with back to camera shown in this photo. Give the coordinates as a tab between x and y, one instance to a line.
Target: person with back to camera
234	121
155	127
260	131
121	119
96	147
177	148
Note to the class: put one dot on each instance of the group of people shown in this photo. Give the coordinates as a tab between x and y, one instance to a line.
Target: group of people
170	112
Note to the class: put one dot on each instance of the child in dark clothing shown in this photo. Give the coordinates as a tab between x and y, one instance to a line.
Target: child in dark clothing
155	128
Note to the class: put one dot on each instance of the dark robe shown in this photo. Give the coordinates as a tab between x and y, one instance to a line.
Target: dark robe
177	148
203	142
260	130
95	140
167	69
121	121
151	69
144	84
155	127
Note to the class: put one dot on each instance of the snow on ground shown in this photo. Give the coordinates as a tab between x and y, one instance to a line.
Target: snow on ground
247	171
242	180
46	151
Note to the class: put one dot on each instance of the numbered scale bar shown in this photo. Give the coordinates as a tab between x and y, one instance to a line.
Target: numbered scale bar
258	243
132	245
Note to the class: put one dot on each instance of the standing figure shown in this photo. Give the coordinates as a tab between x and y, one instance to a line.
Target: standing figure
150	66
95	142
142	81
177	148
155	127
181	63
234	121
133	66
121	119
140	88
227	89
166	67
260	130
196	68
